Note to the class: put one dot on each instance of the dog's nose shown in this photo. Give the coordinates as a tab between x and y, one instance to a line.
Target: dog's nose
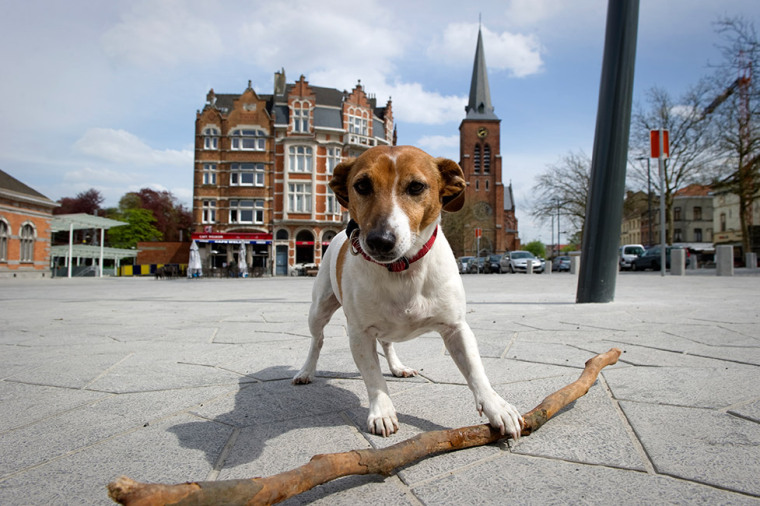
381	241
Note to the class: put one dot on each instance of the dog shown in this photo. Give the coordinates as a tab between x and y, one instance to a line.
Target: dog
396	277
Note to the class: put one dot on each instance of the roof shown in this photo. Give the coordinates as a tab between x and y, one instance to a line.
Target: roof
89	251
479	105
81	221
11	186
694	190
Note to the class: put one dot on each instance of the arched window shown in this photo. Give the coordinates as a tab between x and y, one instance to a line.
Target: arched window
282	235
211	138
27	243
248	139
476	160
486	159
4	233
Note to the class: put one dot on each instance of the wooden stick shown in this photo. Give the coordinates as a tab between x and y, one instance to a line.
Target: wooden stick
323	468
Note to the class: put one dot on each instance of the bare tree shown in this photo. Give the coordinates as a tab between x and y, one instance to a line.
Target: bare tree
736	113
691	147
563	187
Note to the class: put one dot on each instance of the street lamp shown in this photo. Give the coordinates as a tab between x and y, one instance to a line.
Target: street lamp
649	197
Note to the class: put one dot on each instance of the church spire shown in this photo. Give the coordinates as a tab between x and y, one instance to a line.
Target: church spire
479	106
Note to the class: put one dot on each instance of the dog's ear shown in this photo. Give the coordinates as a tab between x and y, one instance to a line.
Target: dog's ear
453	185
339	181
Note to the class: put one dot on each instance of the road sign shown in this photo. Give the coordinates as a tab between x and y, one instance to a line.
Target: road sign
654	142
478	232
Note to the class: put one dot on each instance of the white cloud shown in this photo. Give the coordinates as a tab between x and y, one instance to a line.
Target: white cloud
120	146
102	175
516	53
440	145
167	32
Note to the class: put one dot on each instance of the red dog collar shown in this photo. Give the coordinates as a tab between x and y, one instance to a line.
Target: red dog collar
399	265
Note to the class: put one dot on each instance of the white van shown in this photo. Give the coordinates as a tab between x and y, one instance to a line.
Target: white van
627	253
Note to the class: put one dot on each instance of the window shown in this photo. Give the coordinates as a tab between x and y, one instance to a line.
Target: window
4	233
697	214
333	159
476	160
27	243
697	235
299	197
300	158
486	160
301	113
677	236
209	211
209	173
358	122
211	138
676	214
247	174
332	206
246	211
248	139
722	222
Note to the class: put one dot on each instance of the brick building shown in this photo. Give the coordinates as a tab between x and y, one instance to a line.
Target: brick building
491	203
262	167
25	216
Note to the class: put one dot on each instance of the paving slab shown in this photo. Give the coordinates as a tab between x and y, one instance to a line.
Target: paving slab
175	380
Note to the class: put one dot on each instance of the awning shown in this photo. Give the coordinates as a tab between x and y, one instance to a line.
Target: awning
83	221
233	238
87	251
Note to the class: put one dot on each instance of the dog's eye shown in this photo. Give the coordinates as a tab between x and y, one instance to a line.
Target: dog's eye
363	186
416	188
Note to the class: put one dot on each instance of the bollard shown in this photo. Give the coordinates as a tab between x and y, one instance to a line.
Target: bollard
548	267
678	262
750	261
529	266
575	264
724	260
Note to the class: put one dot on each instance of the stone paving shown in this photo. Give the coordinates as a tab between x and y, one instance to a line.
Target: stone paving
178	380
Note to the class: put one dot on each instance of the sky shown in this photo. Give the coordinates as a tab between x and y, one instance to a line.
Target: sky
103	94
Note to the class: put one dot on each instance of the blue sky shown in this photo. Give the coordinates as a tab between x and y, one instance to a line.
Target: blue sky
103	94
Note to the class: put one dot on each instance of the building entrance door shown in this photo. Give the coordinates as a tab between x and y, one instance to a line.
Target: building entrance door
281	259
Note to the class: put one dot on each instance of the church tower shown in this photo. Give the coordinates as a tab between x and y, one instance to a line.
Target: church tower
489	202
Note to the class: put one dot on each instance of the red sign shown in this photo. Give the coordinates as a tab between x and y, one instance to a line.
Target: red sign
478	232
654	141
233	238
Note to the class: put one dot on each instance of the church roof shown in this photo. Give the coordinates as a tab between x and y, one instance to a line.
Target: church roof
479	105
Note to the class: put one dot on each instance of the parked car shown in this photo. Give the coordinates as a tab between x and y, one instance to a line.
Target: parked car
651	259
475	265
462	263
560	264
494	263
517	261
627	253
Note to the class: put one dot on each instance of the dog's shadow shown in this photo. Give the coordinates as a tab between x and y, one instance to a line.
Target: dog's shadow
267	410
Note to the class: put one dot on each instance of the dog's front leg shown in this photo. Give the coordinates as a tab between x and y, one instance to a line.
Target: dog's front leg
461	344
382	418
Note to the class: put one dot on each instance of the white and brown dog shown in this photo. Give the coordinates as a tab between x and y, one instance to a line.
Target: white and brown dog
396	277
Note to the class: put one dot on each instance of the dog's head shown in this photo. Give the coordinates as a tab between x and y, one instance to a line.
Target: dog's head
396	194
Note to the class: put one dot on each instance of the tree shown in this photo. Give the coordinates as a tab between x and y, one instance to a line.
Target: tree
736	113
691	146
85	202
140	228
537	248
563	189
172	219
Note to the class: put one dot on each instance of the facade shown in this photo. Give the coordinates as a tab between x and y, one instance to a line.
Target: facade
25	216
728	222
489	203
693	215
635	212
262	167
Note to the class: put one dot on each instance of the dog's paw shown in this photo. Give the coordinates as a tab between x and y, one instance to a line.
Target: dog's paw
301	378
382	420
403	372
501	415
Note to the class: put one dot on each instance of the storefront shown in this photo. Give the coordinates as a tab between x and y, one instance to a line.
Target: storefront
222	253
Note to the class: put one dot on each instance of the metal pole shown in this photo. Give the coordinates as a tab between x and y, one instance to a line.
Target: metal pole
604	209
650	239
102	240
71	244
661	163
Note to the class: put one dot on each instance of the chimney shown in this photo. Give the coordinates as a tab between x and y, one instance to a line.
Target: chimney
279	83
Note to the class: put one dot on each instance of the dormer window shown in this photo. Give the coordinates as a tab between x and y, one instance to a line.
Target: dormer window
211	138
301	117
248	139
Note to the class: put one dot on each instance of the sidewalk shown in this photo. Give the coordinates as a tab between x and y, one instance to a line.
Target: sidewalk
178	380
